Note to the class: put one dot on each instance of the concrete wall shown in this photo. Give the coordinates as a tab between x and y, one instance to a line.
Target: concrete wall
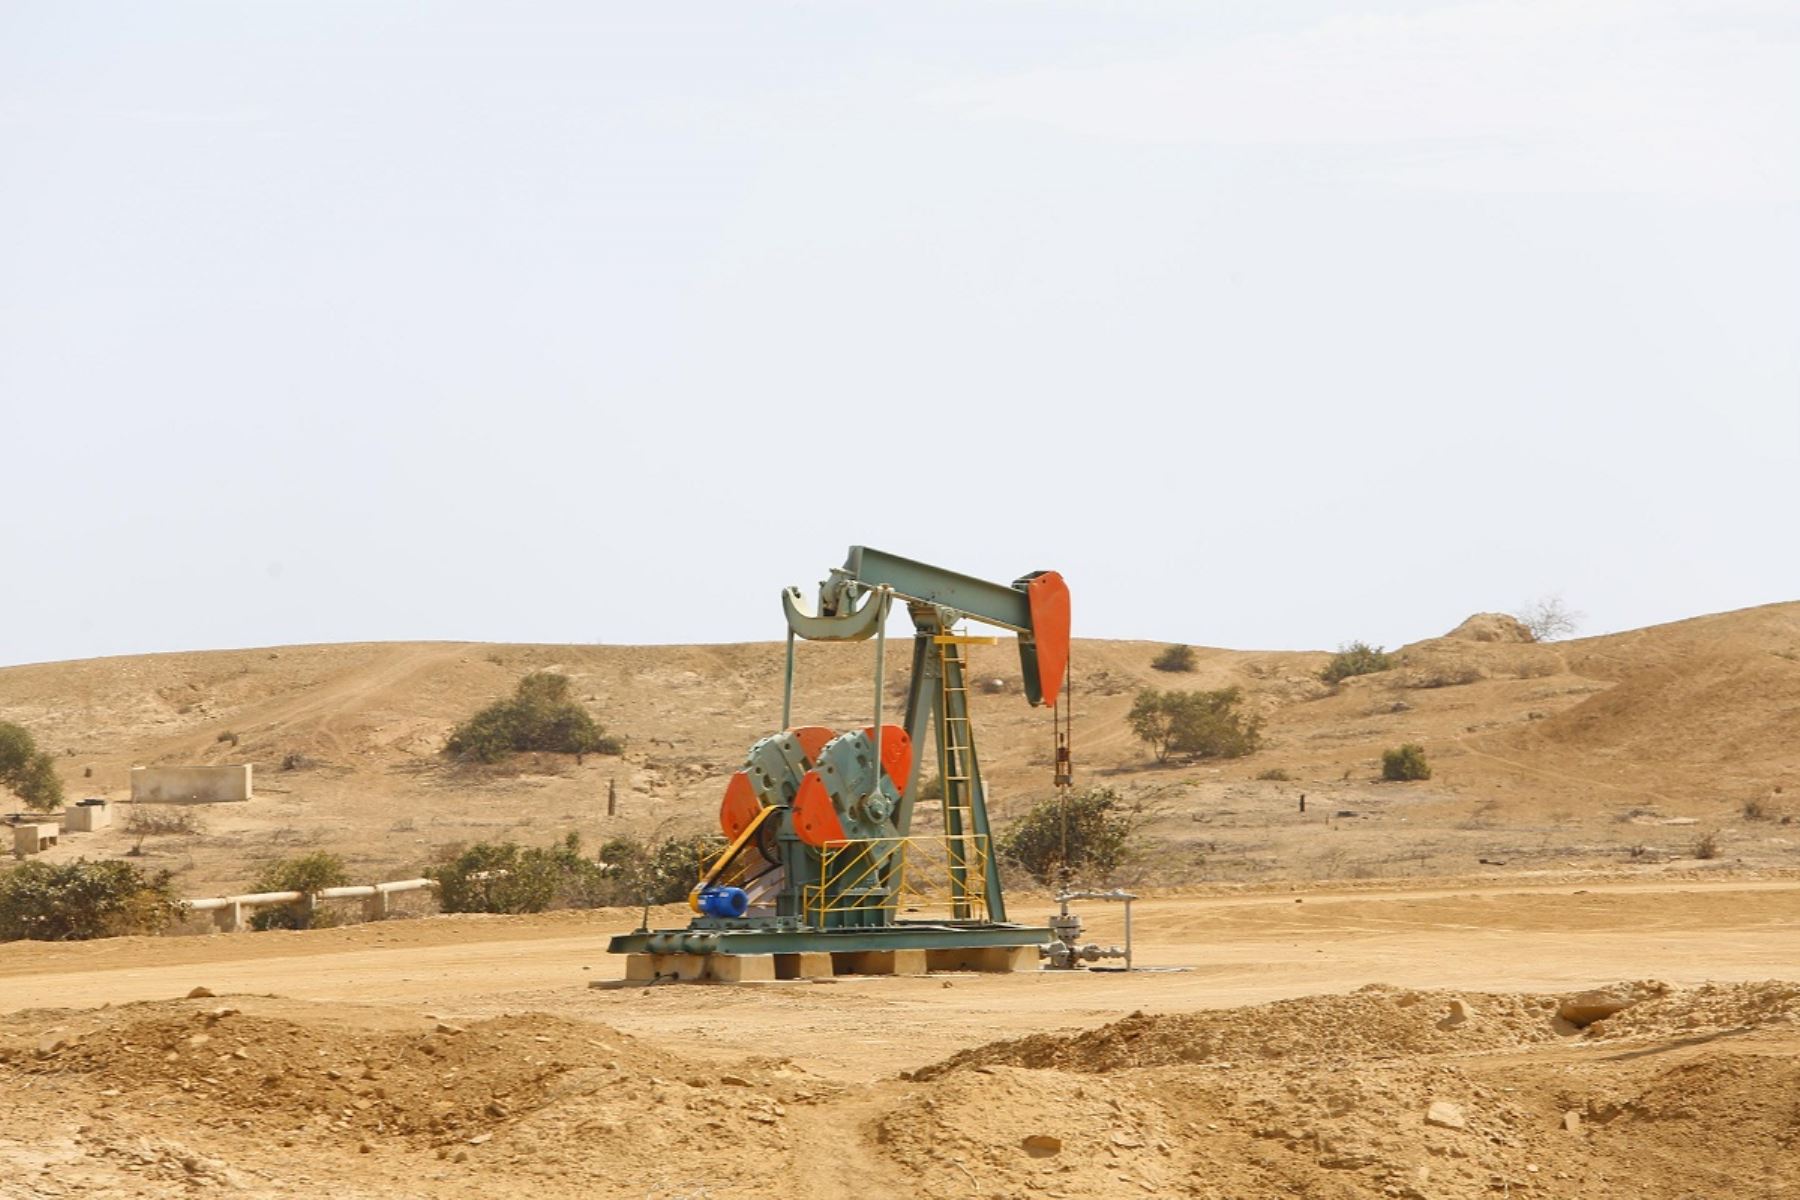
190	785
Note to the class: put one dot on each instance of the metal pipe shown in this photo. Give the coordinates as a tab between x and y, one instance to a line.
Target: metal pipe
1128	933
264	899
787	688
880	673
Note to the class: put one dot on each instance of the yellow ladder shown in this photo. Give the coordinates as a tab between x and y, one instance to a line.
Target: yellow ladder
956	759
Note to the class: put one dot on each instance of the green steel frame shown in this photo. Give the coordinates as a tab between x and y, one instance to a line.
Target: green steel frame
936	703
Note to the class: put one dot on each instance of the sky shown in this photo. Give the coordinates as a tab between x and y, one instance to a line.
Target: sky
1268	325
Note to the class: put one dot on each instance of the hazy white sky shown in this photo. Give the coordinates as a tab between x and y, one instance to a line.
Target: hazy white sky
1269	325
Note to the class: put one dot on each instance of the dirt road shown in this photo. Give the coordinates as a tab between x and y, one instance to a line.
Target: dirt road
1210	952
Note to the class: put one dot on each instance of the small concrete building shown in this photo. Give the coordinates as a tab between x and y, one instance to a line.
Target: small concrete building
190	785
86	816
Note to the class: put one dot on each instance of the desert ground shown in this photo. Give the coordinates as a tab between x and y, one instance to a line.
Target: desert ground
1364	999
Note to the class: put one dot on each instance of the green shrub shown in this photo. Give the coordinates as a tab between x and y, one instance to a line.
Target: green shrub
1194	724
1087	833
1175	658
1275	775
82	899
303	873
1356	658
1405	762
28	771
504	877
661	872
538	716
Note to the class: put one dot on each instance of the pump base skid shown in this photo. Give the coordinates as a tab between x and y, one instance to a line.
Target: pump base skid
761	968
980	947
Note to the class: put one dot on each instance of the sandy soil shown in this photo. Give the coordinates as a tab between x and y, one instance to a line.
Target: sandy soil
455	1056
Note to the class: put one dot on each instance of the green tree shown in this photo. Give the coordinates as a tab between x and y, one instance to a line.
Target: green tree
539	715
28	771
82	899
1152	719
1356	658
1087	833
1201	724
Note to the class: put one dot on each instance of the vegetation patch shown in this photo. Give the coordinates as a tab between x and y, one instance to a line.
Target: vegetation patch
1174	658
539	715
306	873
1085	833
29	772
163	822
1405	763
1356	658
80	900
1195	724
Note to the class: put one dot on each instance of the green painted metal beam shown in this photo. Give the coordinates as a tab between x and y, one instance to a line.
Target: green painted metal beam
991	603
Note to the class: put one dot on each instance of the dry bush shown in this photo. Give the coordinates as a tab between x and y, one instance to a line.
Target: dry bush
1706	846
164	822
1444	675
1549	619
1174	658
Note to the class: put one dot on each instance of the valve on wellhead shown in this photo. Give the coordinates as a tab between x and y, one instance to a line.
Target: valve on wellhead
1066	951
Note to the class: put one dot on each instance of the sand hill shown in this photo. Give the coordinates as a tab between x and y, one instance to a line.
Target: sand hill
1572	751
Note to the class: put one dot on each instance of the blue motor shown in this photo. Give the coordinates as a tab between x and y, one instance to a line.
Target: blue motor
724	901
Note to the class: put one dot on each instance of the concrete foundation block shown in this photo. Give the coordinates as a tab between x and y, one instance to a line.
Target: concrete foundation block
740	968
803	966
881	962
996	959
646	968
34	837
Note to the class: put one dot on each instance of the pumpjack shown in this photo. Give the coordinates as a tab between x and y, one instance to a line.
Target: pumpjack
832	846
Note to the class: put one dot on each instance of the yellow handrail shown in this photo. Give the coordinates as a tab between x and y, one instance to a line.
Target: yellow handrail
885	874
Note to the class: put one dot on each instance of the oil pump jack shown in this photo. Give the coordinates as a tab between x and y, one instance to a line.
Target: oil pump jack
834	858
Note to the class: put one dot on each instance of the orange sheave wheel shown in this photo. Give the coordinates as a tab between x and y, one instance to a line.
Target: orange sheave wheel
739	807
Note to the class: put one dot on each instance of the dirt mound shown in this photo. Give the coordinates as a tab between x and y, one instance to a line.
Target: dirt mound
1374	1022
1492	627
443	1083
1710	1008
